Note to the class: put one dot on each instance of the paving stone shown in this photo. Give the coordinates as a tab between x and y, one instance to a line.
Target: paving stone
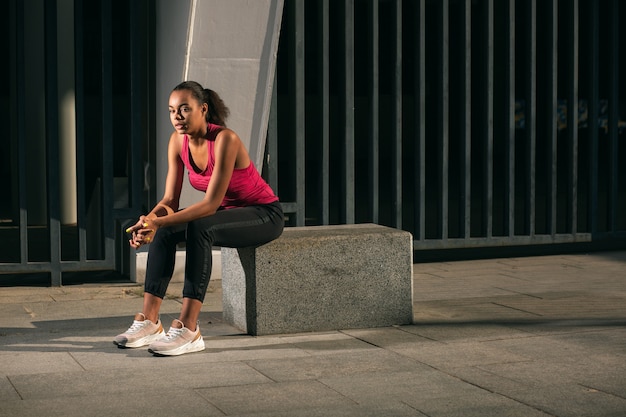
556	392
570	400
132	402
356	410
325	366
159	376
455	332
267	398
390	336
478	404
399	386
458	355
31	363
328	343
482	310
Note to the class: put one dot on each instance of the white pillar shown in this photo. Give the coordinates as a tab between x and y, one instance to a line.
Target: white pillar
229	46
232	49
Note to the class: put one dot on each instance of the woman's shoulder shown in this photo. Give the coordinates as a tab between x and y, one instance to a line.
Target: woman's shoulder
177	138
176	141
227	135
228	141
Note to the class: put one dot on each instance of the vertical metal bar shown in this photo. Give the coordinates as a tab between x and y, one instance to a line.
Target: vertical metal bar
79	47
551	133
419	120
397	116
18	98
150	152
373	93
108	235
572	116
593	85
324	59
488	147
299	107
509	122
530	111
613	114
348	112
137	93
443	122
52	139
466	148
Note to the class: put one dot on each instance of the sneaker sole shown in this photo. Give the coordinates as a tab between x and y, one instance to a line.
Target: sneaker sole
195	346
144	341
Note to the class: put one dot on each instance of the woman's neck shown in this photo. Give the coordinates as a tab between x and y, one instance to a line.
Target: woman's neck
199	136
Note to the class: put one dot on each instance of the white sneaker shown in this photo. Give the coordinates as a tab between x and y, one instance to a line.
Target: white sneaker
177	341
141	333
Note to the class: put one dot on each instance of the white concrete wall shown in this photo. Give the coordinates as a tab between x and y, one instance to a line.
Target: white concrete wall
228	46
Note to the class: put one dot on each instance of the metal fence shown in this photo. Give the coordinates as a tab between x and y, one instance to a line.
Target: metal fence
77	90
469	123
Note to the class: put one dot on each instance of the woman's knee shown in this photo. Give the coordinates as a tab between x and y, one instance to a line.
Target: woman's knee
200	230
166	238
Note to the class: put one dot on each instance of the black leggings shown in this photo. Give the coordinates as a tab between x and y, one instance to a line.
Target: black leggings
234	228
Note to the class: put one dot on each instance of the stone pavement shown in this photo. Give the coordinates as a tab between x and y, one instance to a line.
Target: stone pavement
535	336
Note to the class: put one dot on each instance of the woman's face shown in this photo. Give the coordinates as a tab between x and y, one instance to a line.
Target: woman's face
186	113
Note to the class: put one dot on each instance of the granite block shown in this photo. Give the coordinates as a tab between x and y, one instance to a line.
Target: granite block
319	278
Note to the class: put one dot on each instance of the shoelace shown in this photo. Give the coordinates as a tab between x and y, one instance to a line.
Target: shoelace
173	333
136	326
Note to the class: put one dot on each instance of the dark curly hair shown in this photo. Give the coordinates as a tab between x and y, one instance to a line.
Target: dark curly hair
218	112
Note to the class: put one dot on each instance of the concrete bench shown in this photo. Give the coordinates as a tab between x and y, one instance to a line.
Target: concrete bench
320	278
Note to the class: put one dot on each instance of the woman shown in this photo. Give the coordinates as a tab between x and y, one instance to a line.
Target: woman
239	209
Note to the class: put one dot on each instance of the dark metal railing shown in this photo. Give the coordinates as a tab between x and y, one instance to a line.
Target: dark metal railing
467	123
111	88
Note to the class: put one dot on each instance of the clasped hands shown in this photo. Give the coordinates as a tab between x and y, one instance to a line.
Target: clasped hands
142	232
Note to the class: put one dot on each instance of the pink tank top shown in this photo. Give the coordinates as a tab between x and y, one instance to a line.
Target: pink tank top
246	186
